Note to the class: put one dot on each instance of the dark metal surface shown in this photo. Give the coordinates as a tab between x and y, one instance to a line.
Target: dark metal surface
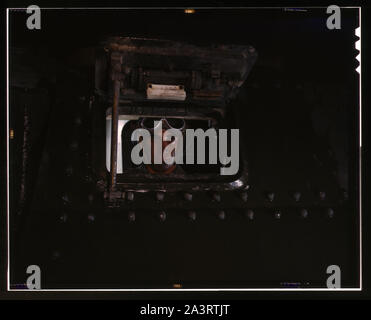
212	74
299	129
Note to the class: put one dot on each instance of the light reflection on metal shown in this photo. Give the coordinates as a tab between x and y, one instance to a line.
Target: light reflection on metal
189	11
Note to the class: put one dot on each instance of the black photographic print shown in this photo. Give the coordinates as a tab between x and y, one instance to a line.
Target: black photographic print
183	150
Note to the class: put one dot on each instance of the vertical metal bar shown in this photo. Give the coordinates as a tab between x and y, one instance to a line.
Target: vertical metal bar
114	133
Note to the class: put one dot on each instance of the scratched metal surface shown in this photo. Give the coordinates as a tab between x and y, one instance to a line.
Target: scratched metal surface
298	112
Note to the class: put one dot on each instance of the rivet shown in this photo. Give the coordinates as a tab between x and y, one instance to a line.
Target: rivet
188	196
244	196
250	214
330	213
131	216
65	199
130	196
270	196
297	196
63	217
216	197
160	196
277	214
221	215
192	215
322	195
304	213
162	216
